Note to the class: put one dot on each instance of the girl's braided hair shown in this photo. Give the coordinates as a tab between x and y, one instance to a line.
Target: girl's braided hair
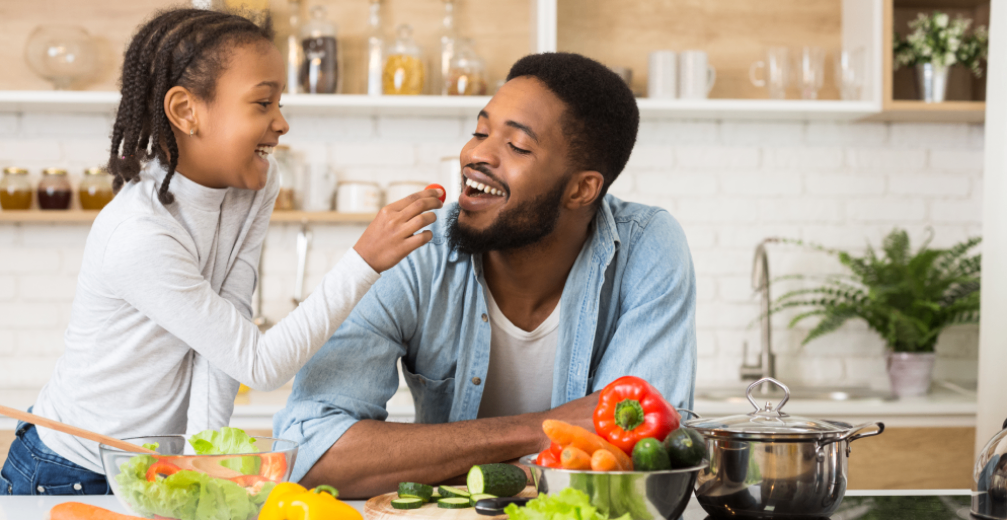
177	47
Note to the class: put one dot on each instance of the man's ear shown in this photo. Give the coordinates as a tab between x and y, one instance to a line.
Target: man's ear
180	107
584	189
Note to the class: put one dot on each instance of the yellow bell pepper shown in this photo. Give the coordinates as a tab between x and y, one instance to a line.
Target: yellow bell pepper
290	501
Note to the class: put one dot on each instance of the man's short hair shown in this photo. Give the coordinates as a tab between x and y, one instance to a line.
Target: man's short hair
601	118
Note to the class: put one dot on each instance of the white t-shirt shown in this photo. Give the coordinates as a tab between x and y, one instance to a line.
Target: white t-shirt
519	378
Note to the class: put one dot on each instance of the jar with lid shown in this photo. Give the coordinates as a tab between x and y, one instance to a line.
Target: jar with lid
320	72
54	190
375	49
404	73
15	189
467	74
286	200
95	190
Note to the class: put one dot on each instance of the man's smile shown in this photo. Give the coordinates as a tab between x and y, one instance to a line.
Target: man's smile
481	191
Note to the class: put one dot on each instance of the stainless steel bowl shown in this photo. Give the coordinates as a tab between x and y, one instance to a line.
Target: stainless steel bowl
645	495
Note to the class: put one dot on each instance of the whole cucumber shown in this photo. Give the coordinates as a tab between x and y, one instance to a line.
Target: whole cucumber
649	455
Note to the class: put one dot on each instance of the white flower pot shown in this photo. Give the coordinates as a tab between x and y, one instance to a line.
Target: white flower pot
910	373
932	82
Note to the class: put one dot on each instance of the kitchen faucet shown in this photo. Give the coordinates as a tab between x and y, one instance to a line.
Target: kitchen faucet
766	367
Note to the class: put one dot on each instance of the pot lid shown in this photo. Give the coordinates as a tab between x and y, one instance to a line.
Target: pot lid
769	422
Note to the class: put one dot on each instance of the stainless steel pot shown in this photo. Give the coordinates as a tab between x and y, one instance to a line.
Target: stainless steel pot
645	495
768	464
989	493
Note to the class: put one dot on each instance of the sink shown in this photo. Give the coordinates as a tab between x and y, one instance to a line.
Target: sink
817	393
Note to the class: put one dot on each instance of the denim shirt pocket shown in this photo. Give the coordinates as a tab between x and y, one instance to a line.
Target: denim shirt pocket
432	397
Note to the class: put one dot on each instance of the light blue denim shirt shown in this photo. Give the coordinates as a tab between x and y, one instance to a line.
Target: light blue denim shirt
628	308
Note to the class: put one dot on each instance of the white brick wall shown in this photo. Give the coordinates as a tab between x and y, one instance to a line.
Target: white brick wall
730	184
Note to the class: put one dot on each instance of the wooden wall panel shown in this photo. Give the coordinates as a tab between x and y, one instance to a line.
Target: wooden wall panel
914	458
735	33
501	30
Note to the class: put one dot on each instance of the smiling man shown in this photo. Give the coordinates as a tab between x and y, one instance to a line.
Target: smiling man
537	290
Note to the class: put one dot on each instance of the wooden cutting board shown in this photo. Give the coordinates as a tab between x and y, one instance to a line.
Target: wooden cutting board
380	508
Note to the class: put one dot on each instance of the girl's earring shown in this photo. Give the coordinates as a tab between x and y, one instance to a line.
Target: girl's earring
192	131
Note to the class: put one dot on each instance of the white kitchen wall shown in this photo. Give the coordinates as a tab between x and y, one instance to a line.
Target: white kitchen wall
729	183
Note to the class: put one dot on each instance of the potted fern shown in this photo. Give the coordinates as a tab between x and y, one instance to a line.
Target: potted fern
906	296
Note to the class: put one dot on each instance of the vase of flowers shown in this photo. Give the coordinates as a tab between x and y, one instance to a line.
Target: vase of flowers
935	44
907	297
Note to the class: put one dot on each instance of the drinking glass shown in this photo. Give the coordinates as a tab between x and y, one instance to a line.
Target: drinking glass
776	75
810	71
849	65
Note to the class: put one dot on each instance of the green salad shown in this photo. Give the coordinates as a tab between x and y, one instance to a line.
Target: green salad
163	486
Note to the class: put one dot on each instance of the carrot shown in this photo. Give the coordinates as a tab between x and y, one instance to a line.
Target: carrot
603	460
82	511
573	457
566	434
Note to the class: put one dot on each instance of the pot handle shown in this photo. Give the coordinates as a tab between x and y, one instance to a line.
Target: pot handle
694	414
856	433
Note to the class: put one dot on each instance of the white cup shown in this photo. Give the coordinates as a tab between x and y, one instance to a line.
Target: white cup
662	75
695	75
358	197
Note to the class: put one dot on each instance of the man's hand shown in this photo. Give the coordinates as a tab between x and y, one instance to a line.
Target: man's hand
579	412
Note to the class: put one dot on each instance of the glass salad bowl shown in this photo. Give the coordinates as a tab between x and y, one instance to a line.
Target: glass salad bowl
176	483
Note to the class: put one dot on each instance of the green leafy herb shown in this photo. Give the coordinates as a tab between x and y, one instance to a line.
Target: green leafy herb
568	504
908	297
152	446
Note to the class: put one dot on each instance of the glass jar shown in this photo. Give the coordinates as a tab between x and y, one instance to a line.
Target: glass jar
15	189
320	72
467	74
286	200
448	41
54	190
404	74
375	49
96	189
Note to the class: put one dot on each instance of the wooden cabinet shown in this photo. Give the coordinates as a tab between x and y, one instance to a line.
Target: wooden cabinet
914	458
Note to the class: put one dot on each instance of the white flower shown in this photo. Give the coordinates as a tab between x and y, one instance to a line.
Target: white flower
940	19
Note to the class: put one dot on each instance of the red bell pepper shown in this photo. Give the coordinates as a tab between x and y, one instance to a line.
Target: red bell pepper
161	467
550	457
630	409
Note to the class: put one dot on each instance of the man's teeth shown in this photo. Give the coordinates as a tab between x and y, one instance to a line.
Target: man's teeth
264	150
483	188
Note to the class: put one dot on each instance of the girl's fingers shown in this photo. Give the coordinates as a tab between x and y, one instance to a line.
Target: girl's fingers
401	204
418	222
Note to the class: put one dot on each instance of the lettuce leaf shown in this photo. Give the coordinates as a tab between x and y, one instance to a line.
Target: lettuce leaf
228	441
568	504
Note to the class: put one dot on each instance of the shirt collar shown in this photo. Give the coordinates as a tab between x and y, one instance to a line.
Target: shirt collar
188	193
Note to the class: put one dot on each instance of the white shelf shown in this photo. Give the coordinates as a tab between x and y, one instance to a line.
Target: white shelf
332	105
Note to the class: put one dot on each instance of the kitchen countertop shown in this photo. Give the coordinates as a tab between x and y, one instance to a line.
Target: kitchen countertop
873	505
943	407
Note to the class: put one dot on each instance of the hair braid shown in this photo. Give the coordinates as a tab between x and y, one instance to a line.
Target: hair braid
178	47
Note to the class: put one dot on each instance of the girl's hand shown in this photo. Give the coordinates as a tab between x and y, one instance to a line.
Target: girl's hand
392	235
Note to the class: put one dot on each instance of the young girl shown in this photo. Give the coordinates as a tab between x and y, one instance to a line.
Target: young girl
160	332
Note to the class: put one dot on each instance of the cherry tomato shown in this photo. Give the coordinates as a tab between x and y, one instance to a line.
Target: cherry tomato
444	193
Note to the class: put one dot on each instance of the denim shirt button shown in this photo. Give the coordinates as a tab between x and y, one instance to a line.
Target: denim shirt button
476	381
77	487
40	489
485	317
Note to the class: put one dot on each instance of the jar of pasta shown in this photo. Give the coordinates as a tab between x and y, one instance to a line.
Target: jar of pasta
404	74
15	189
54	190
467	71
96	189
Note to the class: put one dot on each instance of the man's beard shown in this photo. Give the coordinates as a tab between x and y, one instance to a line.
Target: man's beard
515	228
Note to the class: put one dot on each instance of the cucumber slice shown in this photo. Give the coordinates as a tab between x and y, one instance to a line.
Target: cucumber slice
435	497
453	503
483	496
452	492
414	496
407	503
415	490
502	480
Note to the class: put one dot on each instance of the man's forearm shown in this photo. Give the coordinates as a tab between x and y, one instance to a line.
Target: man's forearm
372	457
